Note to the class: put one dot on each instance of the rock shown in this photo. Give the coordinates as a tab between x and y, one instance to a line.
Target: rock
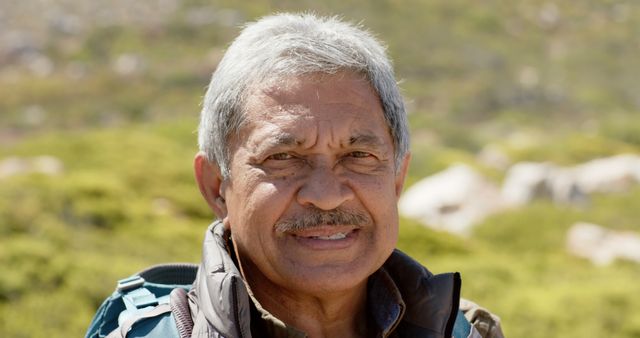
162	206
526	181
492	156
38	64
602	246
529	77
610	174
452	200
34	115
549	15
563	187
47	165
129	64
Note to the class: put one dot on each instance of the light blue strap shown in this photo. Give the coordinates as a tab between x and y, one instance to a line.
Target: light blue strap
130	283
462	327
148	319
136	298
139	298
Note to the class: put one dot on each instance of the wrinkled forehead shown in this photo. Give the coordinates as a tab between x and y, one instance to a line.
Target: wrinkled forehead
313	88
286	80
345	99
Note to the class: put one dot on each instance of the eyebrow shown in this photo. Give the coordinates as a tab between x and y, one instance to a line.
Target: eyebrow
365	140
279	140
284	139
287	140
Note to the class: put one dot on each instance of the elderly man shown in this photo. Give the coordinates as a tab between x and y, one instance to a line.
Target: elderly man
303	154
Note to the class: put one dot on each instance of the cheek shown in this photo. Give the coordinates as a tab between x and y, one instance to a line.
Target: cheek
379	199
378	192
259	205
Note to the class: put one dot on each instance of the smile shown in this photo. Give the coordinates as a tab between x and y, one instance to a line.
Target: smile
327	238
339	235
326	232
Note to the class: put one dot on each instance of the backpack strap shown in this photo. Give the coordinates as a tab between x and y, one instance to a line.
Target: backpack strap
142	301
180	308
462	328
125	327
138	298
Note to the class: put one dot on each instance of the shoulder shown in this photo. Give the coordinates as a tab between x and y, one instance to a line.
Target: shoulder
151	303
422	291
486	323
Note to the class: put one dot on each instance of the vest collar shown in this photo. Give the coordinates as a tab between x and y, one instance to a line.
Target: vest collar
402	294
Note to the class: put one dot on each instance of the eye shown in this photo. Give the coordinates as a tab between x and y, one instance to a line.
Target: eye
280	157
359	154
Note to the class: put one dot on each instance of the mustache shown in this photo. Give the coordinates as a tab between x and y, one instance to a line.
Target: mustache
314	217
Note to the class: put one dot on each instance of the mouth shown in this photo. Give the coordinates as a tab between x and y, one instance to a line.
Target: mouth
326	237
339	235
334	237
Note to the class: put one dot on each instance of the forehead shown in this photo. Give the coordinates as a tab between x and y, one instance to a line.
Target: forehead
345	100
315	88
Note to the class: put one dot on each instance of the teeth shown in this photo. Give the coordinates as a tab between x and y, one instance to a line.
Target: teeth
339	235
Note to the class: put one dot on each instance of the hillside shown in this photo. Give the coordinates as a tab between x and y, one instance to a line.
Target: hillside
111	94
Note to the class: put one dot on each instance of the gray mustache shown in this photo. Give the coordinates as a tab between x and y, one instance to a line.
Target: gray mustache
315	217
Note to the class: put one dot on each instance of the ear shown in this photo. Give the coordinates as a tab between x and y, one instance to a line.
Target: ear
401	173
210	182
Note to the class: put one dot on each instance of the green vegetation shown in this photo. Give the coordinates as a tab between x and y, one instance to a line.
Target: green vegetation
541	81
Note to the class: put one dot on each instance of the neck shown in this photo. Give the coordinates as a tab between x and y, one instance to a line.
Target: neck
336	314
321	314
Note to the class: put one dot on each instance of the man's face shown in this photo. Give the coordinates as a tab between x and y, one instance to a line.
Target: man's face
311	200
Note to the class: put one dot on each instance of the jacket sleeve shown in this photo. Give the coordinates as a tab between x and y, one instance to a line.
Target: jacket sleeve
485	322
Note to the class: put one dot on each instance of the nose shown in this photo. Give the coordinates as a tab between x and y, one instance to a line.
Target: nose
324	189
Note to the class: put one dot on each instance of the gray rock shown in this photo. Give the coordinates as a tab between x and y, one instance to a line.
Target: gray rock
47	165
452	200
526	181
129	64
602	246
610	174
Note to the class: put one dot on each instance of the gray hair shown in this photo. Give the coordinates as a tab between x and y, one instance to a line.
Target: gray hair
291	45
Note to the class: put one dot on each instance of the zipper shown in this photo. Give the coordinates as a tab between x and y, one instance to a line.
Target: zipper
234	290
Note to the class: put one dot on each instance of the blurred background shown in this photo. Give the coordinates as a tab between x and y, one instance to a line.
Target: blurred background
525	120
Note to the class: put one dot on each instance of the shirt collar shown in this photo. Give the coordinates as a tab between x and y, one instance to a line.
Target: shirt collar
267	324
